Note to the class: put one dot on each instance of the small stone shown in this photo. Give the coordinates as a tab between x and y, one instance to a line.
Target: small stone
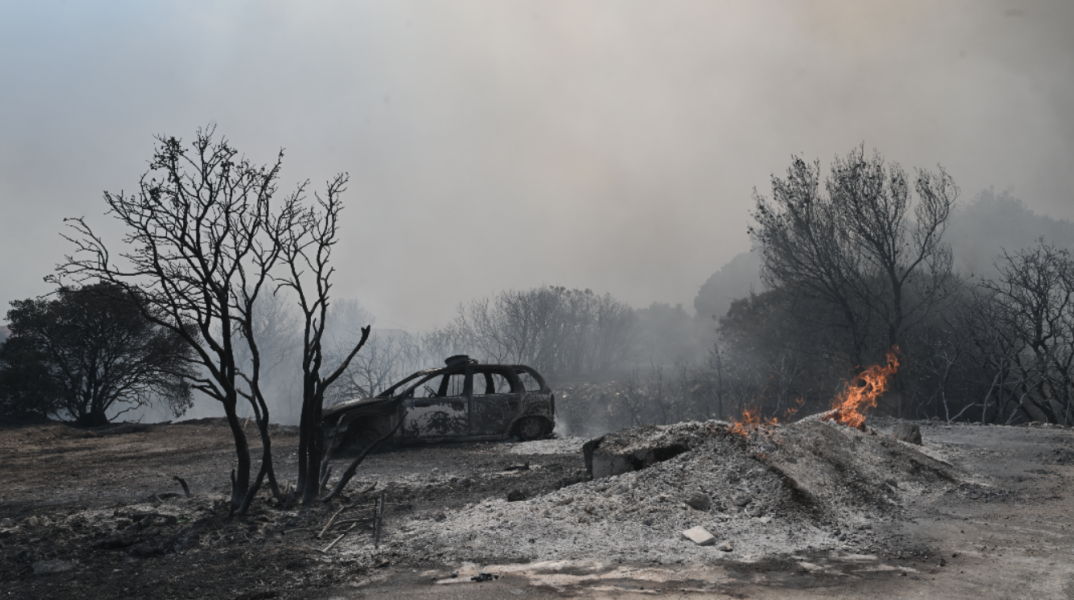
32	522
454	574
742	501
439	517
516	495
700	502
45	567
381	562
6	522
699	536
726	547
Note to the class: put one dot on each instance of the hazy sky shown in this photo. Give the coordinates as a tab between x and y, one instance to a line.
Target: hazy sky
492	145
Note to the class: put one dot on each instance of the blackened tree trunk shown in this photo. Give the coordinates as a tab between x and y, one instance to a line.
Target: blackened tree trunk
306	245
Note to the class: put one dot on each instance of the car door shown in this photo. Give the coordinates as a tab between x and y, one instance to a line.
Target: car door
495	401
438	407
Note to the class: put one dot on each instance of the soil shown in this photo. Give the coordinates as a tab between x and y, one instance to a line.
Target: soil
807	510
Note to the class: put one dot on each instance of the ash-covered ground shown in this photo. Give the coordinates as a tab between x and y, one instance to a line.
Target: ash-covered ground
811	509
808	486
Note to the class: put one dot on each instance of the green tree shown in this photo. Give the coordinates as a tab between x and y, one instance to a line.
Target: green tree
87	355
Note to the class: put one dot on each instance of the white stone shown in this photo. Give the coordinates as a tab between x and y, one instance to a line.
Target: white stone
699	536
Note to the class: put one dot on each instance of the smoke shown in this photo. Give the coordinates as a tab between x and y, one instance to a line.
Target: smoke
992	223
491	146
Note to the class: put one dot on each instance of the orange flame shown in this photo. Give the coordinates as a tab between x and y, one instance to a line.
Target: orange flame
751	419
793	409
862	392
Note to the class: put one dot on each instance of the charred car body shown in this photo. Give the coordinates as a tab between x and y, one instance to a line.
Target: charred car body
463	401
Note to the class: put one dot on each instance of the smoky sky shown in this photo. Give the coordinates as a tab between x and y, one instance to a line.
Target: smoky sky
495	145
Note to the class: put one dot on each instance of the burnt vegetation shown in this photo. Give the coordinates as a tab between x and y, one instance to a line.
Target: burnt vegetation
206	237
221	289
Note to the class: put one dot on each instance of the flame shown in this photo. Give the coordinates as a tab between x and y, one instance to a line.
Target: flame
793	409
750	420
862	392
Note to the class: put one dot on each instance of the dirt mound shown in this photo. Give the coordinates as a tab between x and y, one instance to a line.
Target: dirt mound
850	473
811	484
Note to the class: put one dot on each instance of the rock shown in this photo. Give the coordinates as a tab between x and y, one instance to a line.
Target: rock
942	563
699	536
454	574
6	522
31	522
516	495
726	547
742	500
700	502
907	432
484	576
381	562
439	517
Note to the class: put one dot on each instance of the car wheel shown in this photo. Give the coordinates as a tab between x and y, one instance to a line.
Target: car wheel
364	438
530	428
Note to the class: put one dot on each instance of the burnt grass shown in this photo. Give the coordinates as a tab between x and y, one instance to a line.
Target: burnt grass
96	513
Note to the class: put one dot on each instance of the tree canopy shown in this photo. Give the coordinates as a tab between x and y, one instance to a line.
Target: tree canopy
87	354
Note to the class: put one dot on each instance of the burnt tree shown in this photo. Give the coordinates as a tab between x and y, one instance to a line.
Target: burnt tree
306	244
1033	303
200	242
859	245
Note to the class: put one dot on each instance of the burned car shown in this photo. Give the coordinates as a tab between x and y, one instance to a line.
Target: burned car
463	401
